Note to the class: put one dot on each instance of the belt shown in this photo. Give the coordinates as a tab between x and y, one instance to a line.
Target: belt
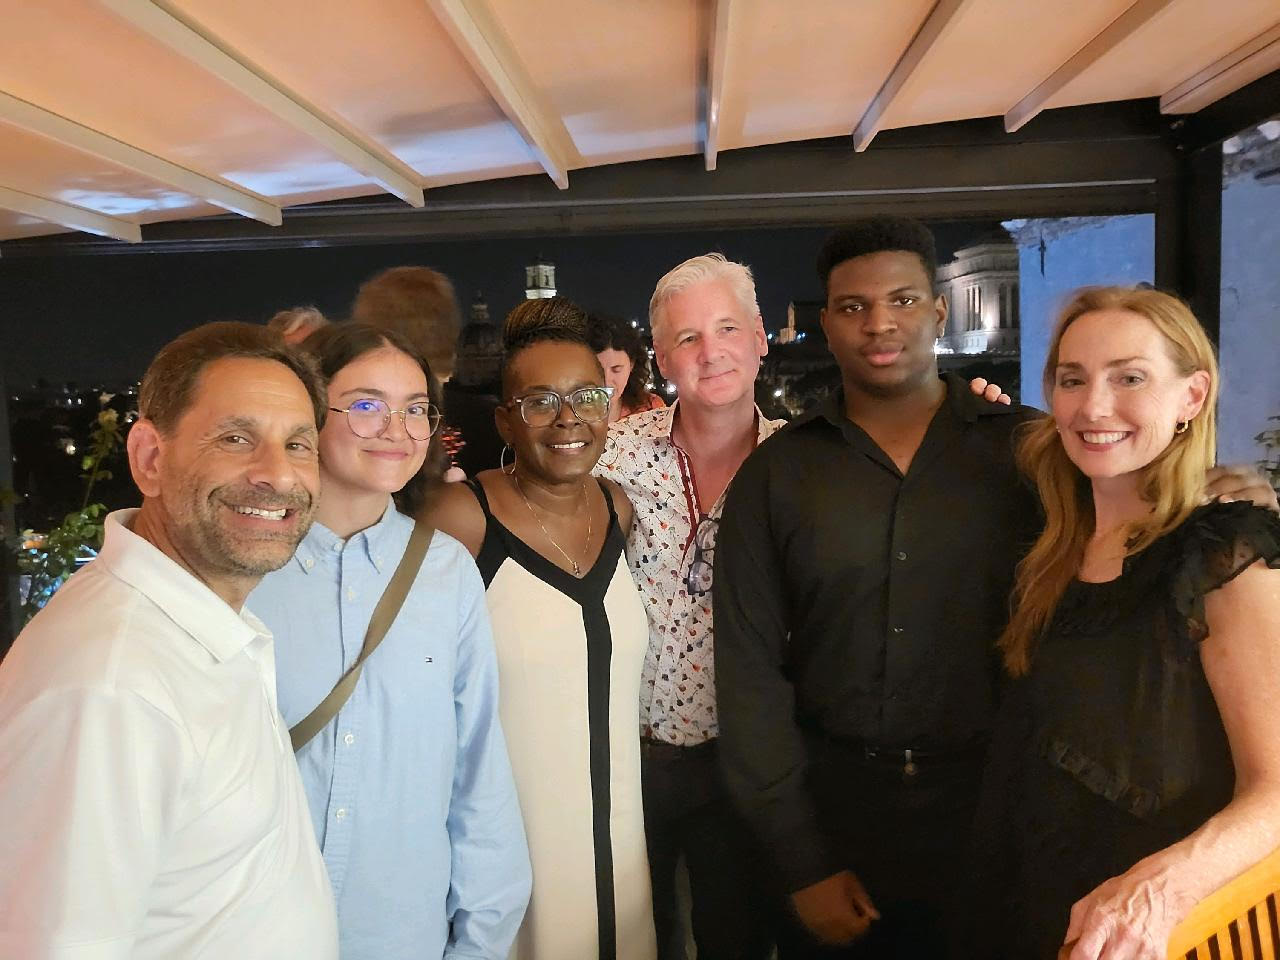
908	758
661	750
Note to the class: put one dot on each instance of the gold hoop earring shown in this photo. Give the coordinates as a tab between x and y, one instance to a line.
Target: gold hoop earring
1182	426
502	457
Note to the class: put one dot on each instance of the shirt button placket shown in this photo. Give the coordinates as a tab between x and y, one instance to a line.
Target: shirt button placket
346	759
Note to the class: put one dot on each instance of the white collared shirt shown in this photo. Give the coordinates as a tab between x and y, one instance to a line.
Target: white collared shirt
150	805
677	689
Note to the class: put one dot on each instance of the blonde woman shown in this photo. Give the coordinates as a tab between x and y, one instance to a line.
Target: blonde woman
1138	768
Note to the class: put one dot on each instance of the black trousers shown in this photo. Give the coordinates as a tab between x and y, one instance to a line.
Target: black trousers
907	836
687	811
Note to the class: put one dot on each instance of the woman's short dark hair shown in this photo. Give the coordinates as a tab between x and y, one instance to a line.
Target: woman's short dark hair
876	235
605	332
549	319
169	385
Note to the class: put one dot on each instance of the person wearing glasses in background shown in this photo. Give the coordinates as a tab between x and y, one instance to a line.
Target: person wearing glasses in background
409	783
571	635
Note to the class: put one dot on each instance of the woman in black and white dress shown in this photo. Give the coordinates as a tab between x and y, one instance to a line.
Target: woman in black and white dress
571	635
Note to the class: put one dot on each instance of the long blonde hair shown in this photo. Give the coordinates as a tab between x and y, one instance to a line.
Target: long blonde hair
1172	483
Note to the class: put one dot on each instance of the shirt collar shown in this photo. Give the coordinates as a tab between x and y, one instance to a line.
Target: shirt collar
963	403
665	420
190	604
321	543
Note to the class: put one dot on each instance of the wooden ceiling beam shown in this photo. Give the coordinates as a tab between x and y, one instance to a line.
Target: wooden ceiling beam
1115	32
484	45
28	116
69	216
717	67
935	26
1243	65
166	24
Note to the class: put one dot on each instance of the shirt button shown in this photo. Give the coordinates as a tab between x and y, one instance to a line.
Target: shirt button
337	547
902	554
351	594
342	813
308	563
349	739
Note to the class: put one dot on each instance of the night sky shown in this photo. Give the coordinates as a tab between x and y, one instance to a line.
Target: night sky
99	319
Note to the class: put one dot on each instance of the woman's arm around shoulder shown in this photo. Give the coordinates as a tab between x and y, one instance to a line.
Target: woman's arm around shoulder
454	509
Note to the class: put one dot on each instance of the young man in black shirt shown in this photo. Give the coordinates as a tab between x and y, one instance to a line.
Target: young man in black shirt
863	571
862	574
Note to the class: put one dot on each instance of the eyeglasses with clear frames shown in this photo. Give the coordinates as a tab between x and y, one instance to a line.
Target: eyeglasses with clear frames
369	417
542	408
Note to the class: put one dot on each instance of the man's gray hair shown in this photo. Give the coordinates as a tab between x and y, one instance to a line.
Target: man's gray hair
696	270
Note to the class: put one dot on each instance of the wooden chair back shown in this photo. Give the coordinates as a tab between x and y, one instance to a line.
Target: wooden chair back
1241	921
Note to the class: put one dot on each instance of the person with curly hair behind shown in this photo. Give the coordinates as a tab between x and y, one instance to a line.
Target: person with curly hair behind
622	354
1136	768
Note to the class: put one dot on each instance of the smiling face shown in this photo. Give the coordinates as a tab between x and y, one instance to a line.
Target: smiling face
237	476
352	465
881	321
1117	393
709	345
617	371
567	448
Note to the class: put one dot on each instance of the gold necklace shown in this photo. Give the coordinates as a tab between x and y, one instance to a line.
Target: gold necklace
577	570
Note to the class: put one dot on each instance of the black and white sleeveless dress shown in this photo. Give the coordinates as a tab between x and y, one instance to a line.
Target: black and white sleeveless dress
570	652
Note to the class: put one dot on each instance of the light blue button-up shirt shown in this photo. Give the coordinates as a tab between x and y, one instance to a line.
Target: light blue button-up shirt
409	786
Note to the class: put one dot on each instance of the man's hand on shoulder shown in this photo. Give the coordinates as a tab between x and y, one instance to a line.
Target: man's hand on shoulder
836	910
1240	482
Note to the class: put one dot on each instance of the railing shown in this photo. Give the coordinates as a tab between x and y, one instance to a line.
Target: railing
1238	922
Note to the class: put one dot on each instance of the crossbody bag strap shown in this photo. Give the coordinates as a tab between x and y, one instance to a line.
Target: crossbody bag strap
384	614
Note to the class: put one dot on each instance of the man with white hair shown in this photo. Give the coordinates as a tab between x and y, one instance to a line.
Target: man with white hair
675	464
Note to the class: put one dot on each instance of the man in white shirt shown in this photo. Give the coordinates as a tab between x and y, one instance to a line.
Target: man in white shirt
150	800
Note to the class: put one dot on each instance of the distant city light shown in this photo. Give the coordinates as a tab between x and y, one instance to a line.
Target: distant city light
671	388
69	447
800	336
778	392
635	324
769	337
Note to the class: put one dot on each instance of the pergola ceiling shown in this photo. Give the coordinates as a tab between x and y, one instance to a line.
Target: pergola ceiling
115	114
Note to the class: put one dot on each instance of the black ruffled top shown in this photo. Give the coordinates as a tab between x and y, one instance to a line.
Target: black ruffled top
1112	746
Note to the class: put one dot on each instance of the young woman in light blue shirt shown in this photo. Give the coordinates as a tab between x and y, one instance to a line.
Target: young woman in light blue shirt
409	786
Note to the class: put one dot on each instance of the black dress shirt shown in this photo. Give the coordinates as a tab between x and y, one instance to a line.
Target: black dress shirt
856	603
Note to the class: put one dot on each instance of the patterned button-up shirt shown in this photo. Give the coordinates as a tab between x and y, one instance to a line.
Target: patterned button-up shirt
677	690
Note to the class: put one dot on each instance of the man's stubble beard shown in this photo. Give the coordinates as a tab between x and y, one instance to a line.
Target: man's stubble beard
209	541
